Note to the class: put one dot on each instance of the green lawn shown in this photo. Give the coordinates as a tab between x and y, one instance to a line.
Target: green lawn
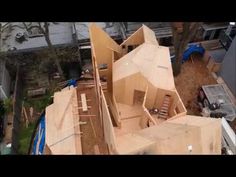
25	137
39	104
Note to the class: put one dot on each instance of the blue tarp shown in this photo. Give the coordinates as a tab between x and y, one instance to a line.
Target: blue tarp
196	48
40	131
72	82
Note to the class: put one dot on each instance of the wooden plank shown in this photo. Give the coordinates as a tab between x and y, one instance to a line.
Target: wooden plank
96	150
36	92
84	102
109	133
91	122
89	115
26	117
88	107
102	46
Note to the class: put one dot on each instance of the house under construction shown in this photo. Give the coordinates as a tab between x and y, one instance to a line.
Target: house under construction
133	96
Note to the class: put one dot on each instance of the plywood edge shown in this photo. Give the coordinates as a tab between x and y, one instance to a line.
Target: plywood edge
149	35
110	127
93	29
130	37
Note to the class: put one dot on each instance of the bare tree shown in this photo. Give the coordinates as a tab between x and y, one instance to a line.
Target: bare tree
44	28
183	33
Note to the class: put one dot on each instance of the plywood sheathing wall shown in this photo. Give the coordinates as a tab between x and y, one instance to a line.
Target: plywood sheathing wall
142	35
146	116
177	105
137	38
175	101
104	51
149	36
151	61
109	133
102	47
124	88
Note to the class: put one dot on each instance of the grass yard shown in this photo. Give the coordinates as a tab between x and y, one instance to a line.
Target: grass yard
25	137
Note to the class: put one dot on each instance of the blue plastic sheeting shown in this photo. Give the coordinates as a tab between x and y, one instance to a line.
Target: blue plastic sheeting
41	141
72	82
193	49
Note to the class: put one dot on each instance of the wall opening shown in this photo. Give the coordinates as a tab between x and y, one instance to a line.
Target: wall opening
138	97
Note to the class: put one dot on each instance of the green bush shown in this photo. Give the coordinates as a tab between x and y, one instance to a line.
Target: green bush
2	109
8	105
25	137
40	103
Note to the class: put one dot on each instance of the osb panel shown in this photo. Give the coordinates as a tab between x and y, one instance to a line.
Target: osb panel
61	127
211	139
134	82
128	126
174	138
102	50
108	126
127	111
149	36
136	38
179	143
133	144
151	96
118	90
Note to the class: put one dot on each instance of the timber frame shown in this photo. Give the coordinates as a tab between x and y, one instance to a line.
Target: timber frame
139	77
136	103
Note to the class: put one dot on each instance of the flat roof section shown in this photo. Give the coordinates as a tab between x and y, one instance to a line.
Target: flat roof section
60	33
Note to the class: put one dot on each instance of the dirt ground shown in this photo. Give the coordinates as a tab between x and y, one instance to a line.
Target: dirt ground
193	75
92	130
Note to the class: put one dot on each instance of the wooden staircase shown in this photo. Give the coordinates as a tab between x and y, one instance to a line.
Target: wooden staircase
164	110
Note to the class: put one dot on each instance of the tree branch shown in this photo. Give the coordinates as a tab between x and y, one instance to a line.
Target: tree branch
41	28
193	30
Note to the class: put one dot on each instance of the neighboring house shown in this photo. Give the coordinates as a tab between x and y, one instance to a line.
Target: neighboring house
4	81
228	67
82	31
163	31
60	34
213	30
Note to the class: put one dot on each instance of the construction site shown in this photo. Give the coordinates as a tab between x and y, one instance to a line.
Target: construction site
127	100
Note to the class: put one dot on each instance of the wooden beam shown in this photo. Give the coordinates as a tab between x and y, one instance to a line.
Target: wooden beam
91	122
26	118
91	115
84	102
82	123
86	108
